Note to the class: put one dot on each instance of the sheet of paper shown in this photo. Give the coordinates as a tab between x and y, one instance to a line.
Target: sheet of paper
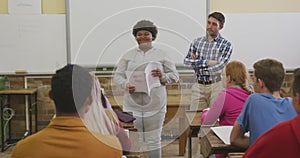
137	79
143	80
152	81
223	132
24	6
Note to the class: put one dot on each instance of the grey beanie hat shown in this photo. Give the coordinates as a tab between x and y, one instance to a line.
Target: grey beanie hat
145	25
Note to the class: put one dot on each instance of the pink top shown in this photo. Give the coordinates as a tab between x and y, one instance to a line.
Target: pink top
226	107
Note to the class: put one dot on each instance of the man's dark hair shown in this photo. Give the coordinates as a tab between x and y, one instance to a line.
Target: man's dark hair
271	72
219	16
145	25
296	83
70	87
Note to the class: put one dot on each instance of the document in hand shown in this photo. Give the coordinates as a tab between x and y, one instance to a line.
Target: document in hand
143	80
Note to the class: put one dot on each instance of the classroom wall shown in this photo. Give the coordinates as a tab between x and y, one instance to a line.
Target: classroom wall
255	6
3	7
259	29
228	6
48	7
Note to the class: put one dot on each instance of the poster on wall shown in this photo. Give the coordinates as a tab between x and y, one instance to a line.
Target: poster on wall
24	7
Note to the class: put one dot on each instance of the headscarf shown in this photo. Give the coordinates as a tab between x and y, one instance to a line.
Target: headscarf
97	119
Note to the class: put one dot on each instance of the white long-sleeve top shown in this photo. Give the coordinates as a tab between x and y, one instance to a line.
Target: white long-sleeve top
136	60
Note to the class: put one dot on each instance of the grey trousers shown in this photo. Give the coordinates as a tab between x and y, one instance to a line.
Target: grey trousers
150	129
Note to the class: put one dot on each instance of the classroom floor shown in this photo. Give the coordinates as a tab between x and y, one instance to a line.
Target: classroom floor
168	151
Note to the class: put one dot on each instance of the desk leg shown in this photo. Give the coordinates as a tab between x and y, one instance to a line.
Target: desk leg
27	110
182	137
190	143
36	113
205	147
30	114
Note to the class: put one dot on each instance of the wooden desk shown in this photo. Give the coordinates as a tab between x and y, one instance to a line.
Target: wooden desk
28	93
211	144
194	120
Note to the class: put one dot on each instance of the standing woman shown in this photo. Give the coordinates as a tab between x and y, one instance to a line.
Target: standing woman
149	110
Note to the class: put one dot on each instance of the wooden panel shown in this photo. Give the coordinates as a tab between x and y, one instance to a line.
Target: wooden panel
18	91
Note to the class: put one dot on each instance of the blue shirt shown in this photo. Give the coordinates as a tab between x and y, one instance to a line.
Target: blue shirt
219	49
262	111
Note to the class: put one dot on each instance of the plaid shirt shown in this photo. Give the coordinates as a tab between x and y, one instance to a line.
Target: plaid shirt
219	49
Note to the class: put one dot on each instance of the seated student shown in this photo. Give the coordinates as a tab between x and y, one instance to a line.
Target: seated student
264	109
67	135
229	103
283	140
121	134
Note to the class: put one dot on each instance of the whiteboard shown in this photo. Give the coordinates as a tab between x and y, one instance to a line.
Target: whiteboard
35	43
264	35
100	31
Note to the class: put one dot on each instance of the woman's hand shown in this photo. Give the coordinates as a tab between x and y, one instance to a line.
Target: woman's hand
130	88
156	73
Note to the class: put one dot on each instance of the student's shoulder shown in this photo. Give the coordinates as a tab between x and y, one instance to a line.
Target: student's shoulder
257	99
108	140
255	96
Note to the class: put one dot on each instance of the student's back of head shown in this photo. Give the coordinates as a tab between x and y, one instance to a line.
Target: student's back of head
238	74
271	72
70	87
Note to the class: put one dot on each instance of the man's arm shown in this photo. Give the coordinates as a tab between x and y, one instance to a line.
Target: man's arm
193	59
219	64
237	136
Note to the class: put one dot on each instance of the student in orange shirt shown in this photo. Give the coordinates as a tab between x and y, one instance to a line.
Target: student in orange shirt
67	134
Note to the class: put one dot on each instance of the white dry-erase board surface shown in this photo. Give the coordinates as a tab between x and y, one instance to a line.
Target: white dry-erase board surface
101	30
35	43
264	35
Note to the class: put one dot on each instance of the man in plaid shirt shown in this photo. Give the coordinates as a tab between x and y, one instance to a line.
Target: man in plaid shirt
208	55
